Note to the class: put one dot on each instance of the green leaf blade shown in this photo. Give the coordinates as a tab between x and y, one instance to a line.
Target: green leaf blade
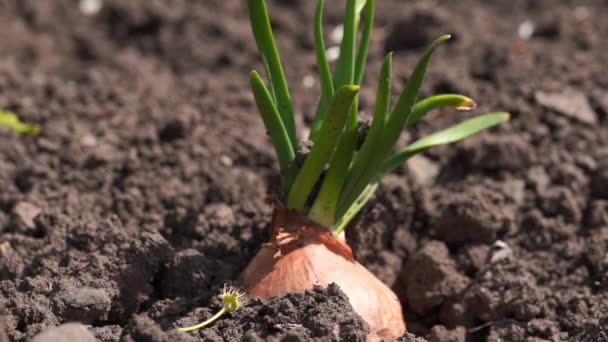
345	66
260	24
274	125
366	155
327	85
366	36
322	150
394	126
450	135
459	102
324	207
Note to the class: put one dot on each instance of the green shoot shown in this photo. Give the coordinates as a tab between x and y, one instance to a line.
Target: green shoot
278	133
347	178
327	84
395	124
450	135
345	66
324	208
272	62
365	37
232	299
321	152
459	102
11	120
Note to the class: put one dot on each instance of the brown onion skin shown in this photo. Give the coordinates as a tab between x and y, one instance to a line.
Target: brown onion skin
302	254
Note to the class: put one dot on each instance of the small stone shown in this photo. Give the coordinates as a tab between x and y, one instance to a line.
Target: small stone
525	30
88	140
332	53
336	34
500	251
90	7
308	81
570	103
27	213
226	161
423	169
68	332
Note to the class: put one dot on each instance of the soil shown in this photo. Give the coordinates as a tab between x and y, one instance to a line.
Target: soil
146	190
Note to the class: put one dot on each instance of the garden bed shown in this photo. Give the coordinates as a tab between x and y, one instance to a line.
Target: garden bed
147	188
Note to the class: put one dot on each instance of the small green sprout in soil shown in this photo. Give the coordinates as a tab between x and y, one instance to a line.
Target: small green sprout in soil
322	195
232	299
11	120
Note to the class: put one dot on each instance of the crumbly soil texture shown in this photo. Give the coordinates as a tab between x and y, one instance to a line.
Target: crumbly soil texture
146	190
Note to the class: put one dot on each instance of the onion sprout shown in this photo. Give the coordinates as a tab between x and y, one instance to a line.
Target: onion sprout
347	177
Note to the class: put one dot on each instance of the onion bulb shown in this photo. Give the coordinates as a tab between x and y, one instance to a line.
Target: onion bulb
301	254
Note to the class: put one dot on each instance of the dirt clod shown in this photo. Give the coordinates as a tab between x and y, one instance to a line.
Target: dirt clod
65	333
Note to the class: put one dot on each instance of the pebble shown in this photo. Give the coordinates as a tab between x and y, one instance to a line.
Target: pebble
308	81
332	53
90	7
68	332
226	161
336	34
423	169
570	103
500	250
88	140
27	213
525	30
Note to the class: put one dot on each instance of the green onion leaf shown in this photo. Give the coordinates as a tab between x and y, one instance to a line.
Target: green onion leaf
345	66
366	36
11	120
354	209
459	102
447	136
395	124
327	85
323	148
276	129
366	155
264	38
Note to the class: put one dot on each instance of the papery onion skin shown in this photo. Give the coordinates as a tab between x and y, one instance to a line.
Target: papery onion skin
302	254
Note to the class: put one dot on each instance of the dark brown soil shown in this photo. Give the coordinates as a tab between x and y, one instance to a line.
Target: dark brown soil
146	190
